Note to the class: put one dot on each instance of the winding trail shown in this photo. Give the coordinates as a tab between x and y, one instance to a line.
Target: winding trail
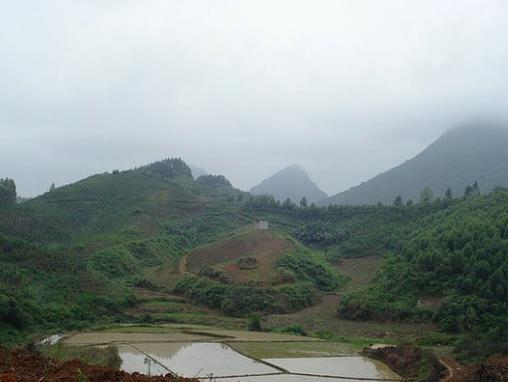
451	365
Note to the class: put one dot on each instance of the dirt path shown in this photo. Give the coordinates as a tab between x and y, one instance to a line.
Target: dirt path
456	371
182	265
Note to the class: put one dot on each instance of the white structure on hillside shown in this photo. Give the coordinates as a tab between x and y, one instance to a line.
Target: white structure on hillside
262	224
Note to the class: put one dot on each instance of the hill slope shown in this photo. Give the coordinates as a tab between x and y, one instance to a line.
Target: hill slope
262	248
292	182
459	157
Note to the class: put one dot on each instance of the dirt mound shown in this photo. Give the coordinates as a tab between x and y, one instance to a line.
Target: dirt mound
407	360
24	365
262	248
494	369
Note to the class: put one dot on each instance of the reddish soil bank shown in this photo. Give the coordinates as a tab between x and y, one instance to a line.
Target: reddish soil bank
23	365
494	369
407	360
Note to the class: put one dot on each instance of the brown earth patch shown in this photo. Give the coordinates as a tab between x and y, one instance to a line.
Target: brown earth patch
429	302
143	294
23	365
494	369
361	270
263	246
407	360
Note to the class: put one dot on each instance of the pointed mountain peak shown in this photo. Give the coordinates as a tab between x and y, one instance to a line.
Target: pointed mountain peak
291	182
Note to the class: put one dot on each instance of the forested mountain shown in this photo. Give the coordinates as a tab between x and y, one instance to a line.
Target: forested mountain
291	182
459	157
75	255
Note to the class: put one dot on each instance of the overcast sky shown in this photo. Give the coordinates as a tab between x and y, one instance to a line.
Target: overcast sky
347	89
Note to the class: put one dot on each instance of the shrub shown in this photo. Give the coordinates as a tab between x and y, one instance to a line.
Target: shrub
254	323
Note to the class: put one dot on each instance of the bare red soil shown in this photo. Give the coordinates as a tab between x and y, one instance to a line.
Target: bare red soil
494	369
23	365
406	361
263	246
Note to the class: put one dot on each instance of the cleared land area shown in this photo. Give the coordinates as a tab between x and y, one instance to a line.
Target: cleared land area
263	246
360	270
323	318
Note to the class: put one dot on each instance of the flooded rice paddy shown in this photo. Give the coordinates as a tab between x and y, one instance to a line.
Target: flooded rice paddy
217	355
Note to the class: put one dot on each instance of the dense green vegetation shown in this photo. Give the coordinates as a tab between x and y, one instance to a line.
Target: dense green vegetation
214	181
87	245
106	356
458	253
243	299
7	192
302	274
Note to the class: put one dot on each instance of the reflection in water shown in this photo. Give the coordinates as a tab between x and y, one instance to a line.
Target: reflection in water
219	360
355	367
202	359
136	361
51	340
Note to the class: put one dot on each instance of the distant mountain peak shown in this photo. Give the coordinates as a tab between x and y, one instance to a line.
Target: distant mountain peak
462	155
291	182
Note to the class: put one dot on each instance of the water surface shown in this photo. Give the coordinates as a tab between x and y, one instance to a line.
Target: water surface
198	359
353	367
214	359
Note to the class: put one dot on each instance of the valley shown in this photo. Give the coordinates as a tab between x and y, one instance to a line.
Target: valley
152	256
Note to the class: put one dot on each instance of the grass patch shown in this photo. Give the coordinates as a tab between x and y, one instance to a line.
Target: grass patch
107	356
260	350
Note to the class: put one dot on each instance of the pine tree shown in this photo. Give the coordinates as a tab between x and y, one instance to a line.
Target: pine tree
448	194
426	196
7	192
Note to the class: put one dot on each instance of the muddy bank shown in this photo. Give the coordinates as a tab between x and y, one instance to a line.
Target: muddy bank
409	362
24	365
494	369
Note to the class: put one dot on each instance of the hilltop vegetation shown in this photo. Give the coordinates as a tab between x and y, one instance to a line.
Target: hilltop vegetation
460	254
7	192
460	157
86	246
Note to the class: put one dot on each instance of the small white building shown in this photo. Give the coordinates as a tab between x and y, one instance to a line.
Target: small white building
262	225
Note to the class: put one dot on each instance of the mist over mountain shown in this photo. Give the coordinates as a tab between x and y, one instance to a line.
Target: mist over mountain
197	171
461	156
291	182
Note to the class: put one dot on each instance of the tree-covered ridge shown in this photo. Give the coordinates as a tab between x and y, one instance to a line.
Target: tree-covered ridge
89	243
7	192
460	254
170	167
214	181
138	199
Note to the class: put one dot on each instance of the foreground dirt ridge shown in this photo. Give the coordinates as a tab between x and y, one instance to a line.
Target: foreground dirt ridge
26	365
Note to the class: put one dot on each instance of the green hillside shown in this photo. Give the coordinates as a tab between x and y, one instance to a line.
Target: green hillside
78	255
73	255
458	158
